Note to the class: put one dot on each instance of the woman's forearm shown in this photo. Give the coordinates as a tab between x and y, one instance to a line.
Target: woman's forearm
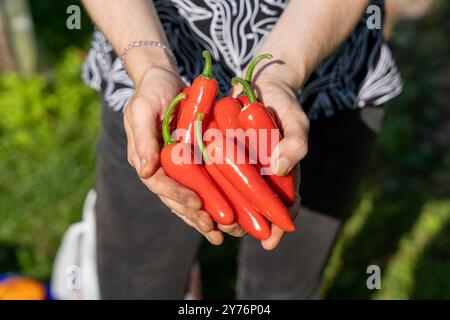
123	22
307	32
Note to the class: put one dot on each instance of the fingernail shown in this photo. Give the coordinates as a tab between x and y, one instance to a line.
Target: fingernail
281	166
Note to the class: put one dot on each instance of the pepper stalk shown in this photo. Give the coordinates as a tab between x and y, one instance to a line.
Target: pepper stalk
247	89
199	136
207	69
252	67
166	120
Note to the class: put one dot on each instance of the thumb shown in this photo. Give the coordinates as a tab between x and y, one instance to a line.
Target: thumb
143	120
294	146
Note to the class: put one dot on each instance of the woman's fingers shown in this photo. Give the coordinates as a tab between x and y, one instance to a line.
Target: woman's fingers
202	222
132	156
276	233
164	186
215	237
199	220
141	116
140	121
159	183
234	229
280	97
294	146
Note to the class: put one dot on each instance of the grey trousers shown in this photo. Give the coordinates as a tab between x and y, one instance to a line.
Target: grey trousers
145	252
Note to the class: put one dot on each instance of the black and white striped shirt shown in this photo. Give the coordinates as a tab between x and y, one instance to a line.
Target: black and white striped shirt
360	72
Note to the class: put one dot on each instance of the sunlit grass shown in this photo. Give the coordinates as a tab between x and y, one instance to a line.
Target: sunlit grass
399	278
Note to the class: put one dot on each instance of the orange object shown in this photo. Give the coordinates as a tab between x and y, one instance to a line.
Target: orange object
21	288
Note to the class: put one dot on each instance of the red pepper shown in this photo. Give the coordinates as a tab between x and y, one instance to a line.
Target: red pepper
247	216
192	175
226	113
212	124
242	97
243	100
226	116
256	116
227	110
246	179
200	98
181	104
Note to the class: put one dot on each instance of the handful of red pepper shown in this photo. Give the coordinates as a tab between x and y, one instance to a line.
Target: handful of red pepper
226	175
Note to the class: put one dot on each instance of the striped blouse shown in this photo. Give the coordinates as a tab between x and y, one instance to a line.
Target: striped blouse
360	72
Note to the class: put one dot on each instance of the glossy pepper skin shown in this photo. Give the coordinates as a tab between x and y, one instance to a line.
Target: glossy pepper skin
247	216
192	175
226	114
181	104
246	179
243	100
200	98
226	110
256	116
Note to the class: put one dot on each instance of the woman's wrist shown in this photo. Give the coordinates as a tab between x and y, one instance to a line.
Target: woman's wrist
281	70
142	58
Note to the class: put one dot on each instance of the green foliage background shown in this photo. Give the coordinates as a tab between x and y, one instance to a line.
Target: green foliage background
48	125
48	128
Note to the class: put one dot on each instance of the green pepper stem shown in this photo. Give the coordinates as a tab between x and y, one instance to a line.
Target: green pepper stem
207	69
199	137
251	68
166	120
246	88
254	63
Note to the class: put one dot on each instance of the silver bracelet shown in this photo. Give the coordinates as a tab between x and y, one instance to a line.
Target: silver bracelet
149	43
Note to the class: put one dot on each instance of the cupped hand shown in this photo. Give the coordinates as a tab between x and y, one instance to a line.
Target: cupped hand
281	98
276	94
142	120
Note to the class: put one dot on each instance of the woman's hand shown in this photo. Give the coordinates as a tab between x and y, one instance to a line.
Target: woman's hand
156	88
142	119
281	98
277	95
